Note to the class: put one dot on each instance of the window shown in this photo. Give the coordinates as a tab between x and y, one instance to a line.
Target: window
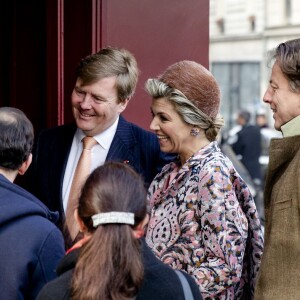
240	88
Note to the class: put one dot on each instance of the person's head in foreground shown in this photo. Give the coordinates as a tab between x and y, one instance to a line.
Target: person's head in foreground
185	107
16	141
112	215
283	92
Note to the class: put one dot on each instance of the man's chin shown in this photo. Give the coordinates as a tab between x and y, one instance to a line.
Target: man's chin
87	132
83	126
277	126
83	122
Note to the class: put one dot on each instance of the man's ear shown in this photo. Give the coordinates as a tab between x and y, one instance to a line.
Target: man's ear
80	223
25	165
138	231
123	105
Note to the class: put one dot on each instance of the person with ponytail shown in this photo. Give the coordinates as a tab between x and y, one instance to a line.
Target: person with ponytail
203	218
112	261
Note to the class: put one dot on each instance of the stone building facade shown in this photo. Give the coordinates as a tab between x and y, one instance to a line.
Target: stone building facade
241	33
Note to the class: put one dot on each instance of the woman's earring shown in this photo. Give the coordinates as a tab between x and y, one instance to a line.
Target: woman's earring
195	131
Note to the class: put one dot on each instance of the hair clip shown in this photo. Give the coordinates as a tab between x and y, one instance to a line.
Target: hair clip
113	217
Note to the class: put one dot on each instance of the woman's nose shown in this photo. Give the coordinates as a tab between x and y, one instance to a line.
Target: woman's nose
153	125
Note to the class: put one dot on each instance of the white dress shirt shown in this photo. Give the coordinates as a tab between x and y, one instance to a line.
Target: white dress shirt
99	154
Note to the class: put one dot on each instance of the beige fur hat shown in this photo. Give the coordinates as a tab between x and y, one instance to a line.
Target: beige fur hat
196	83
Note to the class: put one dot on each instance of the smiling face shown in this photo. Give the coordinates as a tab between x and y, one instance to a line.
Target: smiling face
172	132
284	103
95	106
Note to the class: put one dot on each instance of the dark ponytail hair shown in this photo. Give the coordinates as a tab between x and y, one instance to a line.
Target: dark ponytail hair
110	264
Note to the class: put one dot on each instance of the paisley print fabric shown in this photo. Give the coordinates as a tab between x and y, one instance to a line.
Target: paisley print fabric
203	220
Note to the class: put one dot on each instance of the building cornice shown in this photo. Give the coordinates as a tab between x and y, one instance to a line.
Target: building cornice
232	38
281	31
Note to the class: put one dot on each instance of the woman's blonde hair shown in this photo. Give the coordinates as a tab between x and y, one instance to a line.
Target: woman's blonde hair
194	92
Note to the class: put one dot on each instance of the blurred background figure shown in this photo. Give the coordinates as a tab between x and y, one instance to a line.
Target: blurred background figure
267	133
248	145
246	142
261	119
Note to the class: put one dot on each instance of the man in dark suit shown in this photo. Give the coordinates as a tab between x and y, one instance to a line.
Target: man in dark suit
248	145
31	244
248	149
105	83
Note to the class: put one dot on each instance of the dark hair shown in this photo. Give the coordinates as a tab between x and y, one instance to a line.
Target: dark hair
287	55
245	115
109	62
110	265
16	138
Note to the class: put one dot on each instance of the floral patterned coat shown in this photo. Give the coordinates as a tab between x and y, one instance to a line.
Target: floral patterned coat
203	220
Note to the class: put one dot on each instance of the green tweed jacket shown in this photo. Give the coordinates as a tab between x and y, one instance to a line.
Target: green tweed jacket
279	276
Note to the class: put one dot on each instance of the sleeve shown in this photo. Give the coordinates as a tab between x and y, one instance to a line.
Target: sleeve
238	146
51	252
213	235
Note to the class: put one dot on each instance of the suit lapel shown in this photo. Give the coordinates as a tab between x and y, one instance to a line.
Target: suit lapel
122	146
65	141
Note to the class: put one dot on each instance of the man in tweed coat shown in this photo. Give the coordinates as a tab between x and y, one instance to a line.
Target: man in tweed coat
279	274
